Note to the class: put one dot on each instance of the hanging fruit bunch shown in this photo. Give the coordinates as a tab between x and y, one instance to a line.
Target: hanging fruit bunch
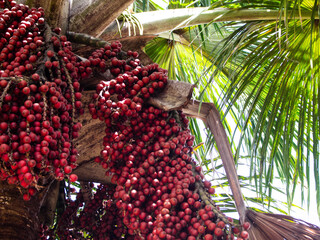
39	99
158	191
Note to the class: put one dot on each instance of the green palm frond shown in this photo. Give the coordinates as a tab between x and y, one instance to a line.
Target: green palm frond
275	82
134	26
148	5
180	4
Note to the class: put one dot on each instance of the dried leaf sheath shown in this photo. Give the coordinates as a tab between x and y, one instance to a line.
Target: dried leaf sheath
278	226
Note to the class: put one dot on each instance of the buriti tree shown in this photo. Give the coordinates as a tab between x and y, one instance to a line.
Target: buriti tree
129	126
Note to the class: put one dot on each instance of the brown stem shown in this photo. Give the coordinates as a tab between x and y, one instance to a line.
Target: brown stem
5	92
86	191
86	39
220	136
71	88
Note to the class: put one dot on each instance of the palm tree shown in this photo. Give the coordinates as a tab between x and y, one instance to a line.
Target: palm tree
251	60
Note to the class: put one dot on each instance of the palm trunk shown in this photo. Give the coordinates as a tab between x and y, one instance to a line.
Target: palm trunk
18	219
96	17
57	11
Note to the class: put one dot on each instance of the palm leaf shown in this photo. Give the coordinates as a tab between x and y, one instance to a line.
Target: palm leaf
148	5
277	76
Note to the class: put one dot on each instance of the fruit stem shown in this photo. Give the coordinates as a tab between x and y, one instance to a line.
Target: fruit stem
86	39
5	92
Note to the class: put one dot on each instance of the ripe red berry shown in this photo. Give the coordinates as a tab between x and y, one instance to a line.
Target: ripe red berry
50	53
44	88
3	83
221	224
26	90
246	225
35	77
244	234
67	170
26	197
218	232
41	21
48	64
208	237
73	177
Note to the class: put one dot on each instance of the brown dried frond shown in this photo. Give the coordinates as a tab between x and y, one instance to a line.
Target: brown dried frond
266	226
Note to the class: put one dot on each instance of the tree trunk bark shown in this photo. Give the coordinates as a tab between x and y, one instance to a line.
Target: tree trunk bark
95	18
18	218
56	12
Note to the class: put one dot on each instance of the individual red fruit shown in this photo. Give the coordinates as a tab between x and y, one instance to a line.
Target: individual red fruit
218	232
211	190
32	163
26	90
35	77
3	126
235	230
24	169
33	58
207	184
57	30
208	237
50	53
41	21
135	54
29	67
201	229
28	177
63	162
244	234
3	83
167	204
26	197
48	64
221	224
246	225
73	178
68	170
32	191
211	226
44	88
31	118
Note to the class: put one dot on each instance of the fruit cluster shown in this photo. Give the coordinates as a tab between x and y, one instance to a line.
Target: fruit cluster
99	215
39	99
160	193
